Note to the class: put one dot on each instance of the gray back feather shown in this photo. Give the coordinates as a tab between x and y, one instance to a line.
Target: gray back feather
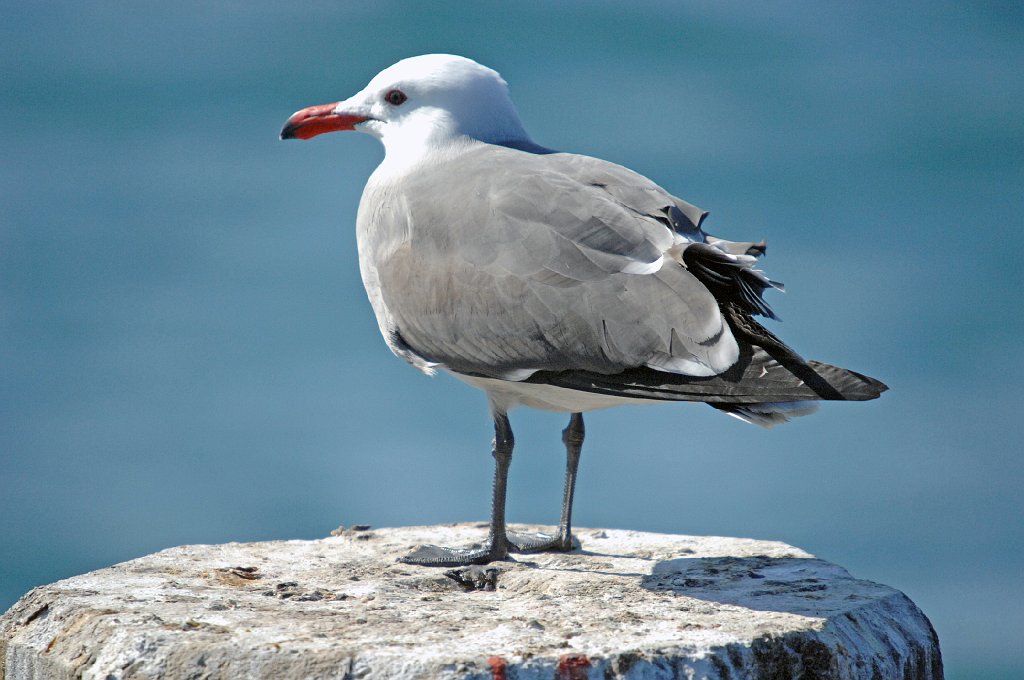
502	260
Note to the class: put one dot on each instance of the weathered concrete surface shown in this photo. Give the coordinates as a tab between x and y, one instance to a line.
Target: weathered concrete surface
629	605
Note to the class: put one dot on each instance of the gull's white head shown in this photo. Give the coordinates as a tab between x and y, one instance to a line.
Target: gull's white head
421	102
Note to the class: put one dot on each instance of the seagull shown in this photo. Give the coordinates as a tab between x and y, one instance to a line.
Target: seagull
551	280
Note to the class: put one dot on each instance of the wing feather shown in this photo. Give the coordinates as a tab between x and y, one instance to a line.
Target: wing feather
500	262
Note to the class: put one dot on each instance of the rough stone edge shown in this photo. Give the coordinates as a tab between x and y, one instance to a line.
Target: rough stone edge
897	632
906	647
906	643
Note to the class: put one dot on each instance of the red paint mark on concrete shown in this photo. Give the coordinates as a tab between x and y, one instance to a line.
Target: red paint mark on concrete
573	667
498	667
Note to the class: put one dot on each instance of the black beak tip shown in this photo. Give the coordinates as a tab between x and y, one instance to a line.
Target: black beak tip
288	131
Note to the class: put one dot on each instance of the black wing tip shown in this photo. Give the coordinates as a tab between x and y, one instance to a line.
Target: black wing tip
766	380
877	387
849	385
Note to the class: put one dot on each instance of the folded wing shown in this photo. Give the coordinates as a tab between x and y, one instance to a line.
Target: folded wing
553	262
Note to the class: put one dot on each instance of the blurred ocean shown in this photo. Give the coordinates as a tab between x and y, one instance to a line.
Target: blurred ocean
188	355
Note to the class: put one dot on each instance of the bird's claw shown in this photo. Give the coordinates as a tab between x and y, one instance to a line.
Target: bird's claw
541	542
439	556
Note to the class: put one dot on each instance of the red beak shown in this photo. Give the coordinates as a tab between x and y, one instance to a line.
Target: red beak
316	120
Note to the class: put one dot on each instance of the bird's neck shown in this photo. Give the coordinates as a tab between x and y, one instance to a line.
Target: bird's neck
402	160
433	135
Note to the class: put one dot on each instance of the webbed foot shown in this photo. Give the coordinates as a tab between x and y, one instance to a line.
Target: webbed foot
438	556
541	542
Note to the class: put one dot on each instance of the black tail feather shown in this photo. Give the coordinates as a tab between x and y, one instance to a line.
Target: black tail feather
757	377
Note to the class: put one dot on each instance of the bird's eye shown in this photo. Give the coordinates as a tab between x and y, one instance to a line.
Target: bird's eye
395	97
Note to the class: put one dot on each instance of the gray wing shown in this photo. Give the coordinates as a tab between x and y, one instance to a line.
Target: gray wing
505	262
640	194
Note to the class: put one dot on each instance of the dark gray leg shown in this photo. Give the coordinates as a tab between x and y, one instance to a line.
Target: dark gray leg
501	449
572	437
497	545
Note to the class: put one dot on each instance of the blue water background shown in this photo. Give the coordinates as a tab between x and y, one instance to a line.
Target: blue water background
188	355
